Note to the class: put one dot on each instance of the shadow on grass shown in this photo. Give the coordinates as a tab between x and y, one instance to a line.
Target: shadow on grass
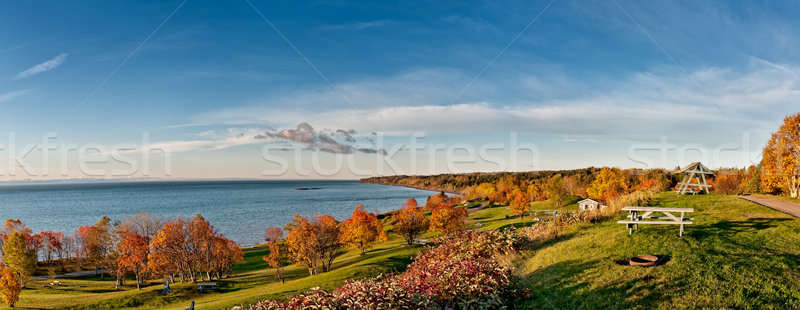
558	287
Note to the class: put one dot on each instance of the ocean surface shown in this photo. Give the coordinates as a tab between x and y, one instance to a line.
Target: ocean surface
241	210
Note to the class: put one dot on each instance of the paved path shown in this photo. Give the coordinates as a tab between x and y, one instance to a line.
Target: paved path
75	274
788	207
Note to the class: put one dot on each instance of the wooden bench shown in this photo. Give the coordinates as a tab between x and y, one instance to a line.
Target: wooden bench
207	286
420	241
647	217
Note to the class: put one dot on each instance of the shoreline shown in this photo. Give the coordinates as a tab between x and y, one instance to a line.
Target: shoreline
413	187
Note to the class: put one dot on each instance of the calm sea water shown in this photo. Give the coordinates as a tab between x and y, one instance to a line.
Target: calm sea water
241	210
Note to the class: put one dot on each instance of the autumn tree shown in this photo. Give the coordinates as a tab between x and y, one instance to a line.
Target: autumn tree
171	251
536	192
555	190
11	226
133	251
10	286
18	257
273	235
435	199
53	245
573	186
520	204
729	183
329	236
608	184
226	253
446	218
302	243
201	237
410	222
145	224
97	243
781	159
484	190
362	228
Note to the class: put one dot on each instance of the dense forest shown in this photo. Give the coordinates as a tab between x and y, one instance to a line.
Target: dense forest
458	183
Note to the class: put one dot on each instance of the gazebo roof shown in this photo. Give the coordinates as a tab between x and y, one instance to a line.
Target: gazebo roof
696	166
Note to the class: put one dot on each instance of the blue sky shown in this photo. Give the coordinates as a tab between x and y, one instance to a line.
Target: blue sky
586	82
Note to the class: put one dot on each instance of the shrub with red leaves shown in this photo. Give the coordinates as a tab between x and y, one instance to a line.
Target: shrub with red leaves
460	272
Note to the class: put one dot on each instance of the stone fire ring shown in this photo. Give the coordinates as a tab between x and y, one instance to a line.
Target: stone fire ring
643	260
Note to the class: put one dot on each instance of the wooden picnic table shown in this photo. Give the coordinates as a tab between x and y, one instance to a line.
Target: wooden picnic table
644	215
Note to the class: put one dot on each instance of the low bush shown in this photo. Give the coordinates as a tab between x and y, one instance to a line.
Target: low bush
460	272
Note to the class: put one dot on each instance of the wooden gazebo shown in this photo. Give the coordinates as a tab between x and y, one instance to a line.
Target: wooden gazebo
694	180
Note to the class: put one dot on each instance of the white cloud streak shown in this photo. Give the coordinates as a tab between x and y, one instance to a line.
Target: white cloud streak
13	94
704	104
43	67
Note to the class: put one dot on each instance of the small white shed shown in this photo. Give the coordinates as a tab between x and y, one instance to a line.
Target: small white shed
590	204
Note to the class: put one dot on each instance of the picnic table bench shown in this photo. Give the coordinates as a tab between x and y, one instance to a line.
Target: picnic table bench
644	215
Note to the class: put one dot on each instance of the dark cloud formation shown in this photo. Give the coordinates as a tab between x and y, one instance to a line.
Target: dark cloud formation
321	141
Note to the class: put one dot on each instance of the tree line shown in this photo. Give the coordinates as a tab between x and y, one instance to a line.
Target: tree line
142	245
315	242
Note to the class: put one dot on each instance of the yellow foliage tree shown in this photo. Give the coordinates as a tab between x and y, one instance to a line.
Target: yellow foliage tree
18	257
781	159
608	184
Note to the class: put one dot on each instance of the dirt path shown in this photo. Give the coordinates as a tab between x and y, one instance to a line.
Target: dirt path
788	207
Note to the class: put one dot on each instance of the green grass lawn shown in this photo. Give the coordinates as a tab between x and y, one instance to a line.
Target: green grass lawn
736	255
252	280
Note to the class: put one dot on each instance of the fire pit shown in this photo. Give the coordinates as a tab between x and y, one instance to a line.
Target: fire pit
642	261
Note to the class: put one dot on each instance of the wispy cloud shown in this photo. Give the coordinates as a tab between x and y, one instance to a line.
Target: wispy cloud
664	101
360	25
43	67
13	94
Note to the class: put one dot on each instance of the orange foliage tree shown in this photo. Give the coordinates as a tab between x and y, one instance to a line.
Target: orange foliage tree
520	204
362	229
170	251
273	235
10	286
303	243
729	183
446	218
781	159
187	247
608	184
410	222
436	199
328	236
133	252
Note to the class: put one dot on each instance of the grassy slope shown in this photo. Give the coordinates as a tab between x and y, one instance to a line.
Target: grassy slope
251	282
737	255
